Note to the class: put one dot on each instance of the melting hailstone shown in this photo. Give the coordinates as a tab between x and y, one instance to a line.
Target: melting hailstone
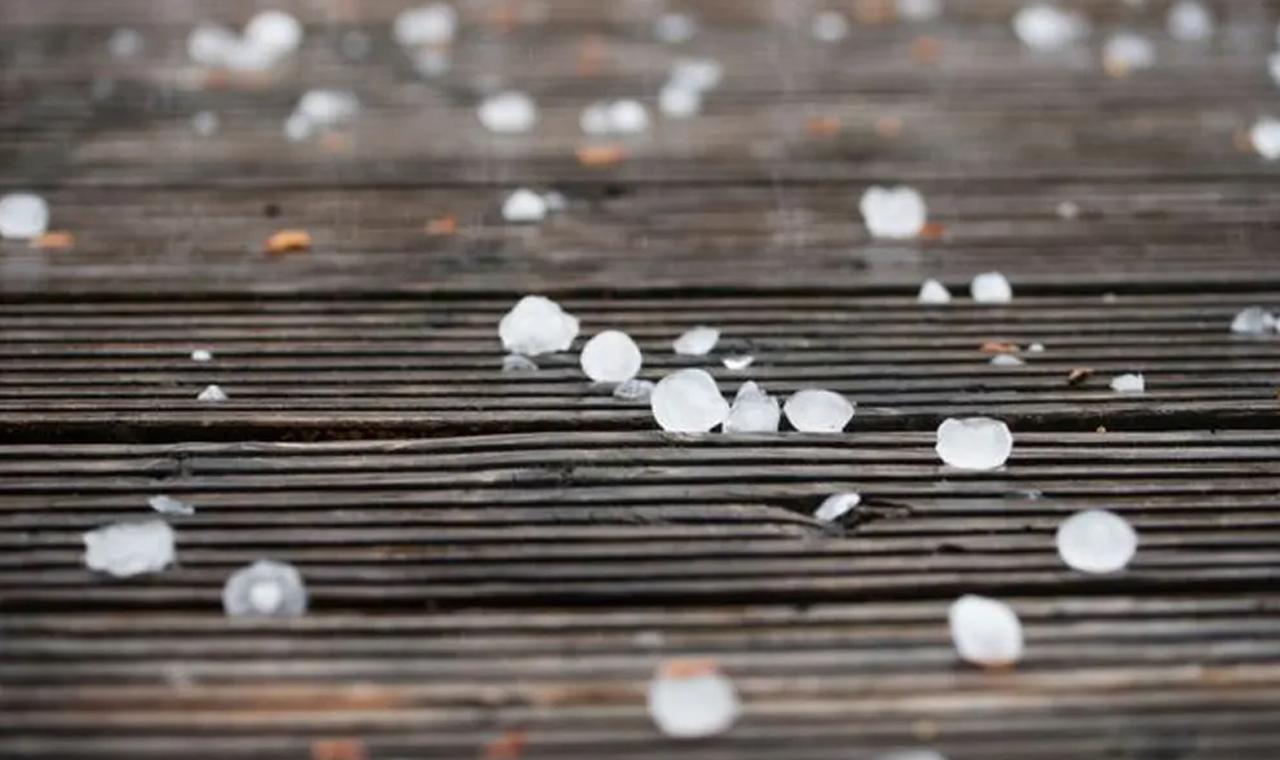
1130	383
696	342
678	102
508	113
829	26
633	390
1265	137
167	505
933	293
595	119
205	123
627	117
129	548
1096	541
325	108
991	287
985	631
524	206
1127	51
611	357
897	213
265	588
692	700
1190	21
1045	27
818	411
23	216
1006	360
433	24
837	506
125	43
518	363
537	325
698	74
974	443
688	401
738	363
211	44
753	411
212	394
918	10
274	31
201	355
1254	320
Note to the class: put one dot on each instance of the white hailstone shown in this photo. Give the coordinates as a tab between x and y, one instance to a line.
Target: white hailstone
628	117
595	119
211	44
836	506
167	505
1042	26
212	394
201	355
1126	50
829	26
434	24
1254	320
1265	136
266	588
918	10
1096	541
818	411
537	325
738	363
518	363
897	213
1036	348
753	411
688	401
1130	383
634	389
990	287
611	357
674	28
274	31
125	43
985	631
692	705
1068	210
696	342
555	201
298	127
508	113
1006	360
1190	21
327	107
933	293
677	101
205	123
974	443
23	216
524	207
699	74
130	548
355	45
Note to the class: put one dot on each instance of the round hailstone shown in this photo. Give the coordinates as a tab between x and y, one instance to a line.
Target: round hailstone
1128	51
1036	348
836	506
518	363
829	26
127	549
628	117
1068	210
689	700
674	28
537	325
211	44
201	355
753	411
933	293
508	113
738	363
265	588
1131	383
985	631
298	127
918	10
1096	541
991	287
212	394
696	342
818	411
676	101
688	401
1046	27
205	123
1254	320
1265	136
897	213
611	357
698	74
1190	21
1006	360
125	43
167	505
633	390
594	120
524	207
23	216
434	24
327	107
275	31
974	443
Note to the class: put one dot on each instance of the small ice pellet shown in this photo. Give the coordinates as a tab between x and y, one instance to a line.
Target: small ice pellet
829	26
1068	210
1126	51
918	10
634	389
433	24
688	702
594	119
1129	383
1265	137
1096	541
508	113
1254	320
1045	27
737	363
537	325
688	401
991	287
524	206
518	363
676	101
628	117
328	107
127	549
813	410
212	394
974	443
985	631
211	44
1036	348
265	588
700	74
201	355
167	505
897	213
1006	360
556	202
205	123
275	31
23	216
1189	21
611	357
753	411
125	43
837	506
933	293
674	28
696	342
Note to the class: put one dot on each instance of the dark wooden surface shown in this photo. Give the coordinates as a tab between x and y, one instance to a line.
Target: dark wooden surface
491	551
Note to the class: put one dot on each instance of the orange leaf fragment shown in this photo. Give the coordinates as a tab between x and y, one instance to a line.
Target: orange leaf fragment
338	749
601	155
924	49
54	240
889	127
688	668
443	225
289	241
1079	375
336	142
591	56
873	12
934	231
996	347
509	746
822	126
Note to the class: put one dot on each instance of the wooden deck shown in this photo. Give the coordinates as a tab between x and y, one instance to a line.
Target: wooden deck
491	552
